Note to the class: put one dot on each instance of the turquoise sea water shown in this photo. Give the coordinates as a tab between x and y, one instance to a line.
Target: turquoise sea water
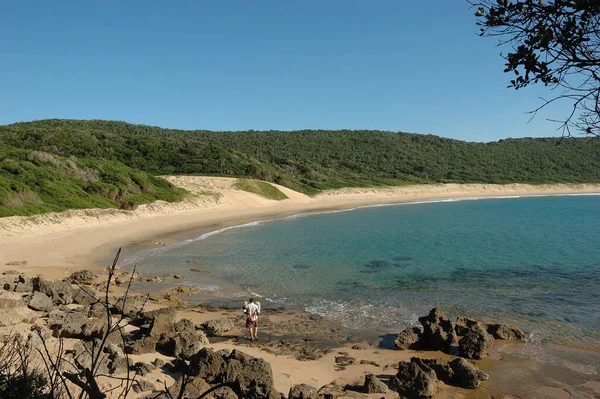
531	261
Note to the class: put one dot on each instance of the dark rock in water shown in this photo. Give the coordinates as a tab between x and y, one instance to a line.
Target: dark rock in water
301	266
208	365
378	264
371	271
409	338
414	382
438	332
303	391
374	385
475	344
402	258
466	375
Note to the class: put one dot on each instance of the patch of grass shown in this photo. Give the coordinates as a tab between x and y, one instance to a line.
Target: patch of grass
261	188
34	182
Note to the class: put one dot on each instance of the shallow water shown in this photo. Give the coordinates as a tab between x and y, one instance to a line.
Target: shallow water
534	262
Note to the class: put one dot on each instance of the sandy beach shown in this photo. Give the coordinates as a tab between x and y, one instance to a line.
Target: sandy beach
59	242
54	245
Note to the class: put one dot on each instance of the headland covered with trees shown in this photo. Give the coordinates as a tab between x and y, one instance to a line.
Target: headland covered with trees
54	165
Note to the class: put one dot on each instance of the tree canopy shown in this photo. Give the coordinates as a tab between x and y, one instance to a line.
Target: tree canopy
555	43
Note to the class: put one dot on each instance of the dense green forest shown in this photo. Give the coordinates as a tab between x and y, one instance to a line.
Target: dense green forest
306	161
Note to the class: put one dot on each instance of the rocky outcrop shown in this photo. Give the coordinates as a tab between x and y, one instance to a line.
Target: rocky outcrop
75	324
253	375
302	391
130	306
40	302
476	344
414	382
216	327
180	339
82	277
60	292
374	385
438	332
409	338
418	377
466	375
208	365
84	296
501	331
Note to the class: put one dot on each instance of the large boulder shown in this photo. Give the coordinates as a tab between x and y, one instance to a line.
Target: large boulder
60	292
14	310
254	376
194	387
374	385
438	332
147	317
208	365
441	368
216	327
302	391
414	382
177	339
476	344
40	302
82	277
409	338
466	375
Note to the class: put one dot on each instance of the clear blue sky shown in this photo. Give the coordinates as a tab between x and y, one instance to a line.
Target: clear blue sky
235	65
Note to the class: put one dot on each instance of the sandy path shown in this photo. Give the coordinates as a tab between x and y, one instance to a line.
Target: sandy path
59	242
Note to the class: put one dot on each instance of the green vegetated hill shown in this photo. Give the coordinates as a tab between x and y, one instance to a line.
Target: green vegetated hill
307	161
33	182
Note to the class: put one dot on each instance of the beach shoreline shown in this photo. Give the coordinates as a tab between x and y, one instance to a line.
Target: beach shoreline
55	244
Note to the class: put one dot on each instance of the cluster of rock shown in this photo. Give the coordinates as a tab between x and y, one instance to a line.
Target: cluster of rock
468	338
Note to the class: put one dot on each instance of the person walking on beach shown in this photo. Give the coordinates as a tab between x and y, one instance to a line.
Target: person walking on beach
252	311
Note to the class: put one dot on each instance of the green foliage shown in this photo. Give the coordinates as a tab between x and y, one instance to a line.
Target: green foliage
555	43
307	161
261	188
33	182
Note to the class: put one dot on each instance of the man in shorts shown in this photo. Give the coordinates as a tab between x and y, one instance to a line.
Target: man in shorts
252	311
